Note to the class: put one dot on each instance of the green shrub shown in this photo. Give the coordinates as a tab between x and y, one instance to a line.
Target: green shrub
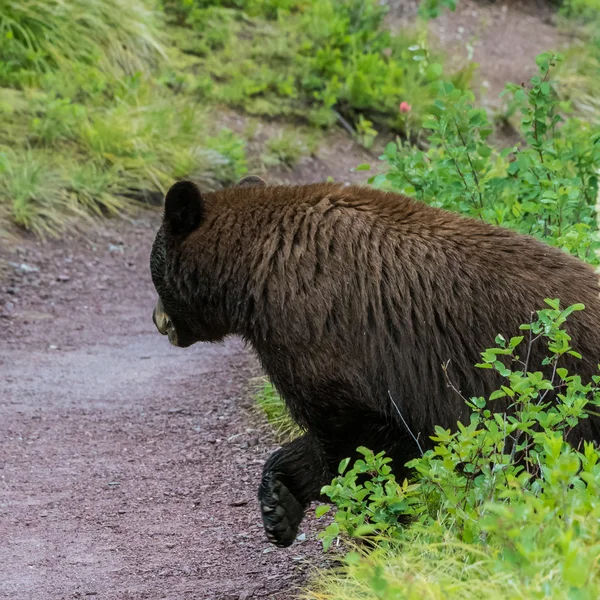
546	187
504	493
317	60
581	9
366	507
431	9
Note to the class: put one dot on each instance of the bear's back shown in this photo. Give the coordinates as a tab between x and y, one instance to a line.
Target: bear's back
355	285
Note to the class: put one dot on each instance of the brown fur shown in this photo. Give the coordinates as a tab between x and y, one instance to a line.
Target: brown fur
352	296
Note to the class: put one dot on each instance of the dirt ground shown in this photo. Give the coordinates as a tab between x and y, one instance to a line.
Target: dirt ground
128	468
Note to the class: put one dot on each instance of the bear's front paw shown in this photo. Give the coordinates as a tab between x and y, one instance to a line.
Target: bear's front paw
281	512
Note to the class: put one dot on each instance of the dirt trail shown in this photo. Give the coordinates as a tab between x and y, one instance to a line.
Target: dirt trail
128	468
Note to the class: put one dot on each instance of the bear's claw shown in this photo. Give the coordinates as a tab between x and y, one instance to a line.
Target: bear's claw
281	512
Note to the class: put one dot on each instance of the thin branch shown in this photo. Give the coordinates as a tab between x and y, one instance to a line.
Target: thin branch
345	123
475	177
449	381
406	425
530	344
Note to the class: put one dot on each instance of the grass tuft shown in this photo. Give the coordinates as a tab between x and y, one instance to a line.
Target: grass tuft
273	407
287	147
37	36
34	189
415	569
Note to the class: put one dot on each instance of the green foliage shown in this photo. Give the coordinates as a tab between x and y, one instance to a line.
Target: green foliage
190	10
581	9
578	76
233	150
37	36
519	453
504	493
101	98
365	133
95	154
287	147
316	59
546	187
91	120
273	407
36	190
368	499
431	9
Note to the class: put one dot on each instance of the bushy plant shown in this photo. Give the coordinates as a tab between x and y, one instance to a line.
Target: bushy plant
505	491
431	9
545	187
368	499
581	9
318	60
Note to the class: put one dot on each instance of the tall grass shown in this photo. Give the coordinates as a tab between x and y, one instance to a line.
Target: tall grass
273	408
94	160
418	569
40	35
88	120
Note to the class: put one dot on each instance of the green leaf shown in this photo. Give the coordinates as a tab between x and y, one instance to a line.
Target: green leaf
366	529
434	70
430	123
343	465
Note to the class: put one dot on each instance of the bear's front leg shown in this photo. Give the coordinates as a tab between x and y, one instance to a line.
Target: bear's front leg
292	477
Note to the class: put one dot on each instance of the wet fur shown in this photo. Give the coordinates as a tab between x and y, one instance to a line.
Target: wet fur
352	297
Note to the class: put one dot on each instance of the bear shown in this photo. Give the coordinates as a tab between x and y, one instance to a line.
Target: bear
354	300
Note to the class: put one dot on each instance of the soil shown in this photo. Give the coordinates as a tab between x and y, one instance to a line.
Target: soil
129	468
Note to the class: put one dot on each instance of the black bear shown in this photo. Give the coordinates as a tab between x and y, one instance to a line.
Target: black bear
353	299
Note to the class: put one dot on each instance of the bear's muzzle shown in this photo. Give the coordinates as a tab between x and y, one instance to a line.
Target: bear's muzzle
163	323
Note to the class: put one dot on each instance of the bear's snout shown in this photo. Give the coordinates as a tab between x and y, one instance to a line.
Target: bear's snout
163	323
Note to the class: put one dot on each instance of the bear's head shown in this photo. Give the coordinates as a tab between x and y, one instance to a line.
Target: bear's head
177	313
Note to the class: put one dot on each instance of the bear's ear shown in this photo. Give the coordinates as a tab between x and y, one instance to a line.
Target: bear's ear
184	207
251	181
